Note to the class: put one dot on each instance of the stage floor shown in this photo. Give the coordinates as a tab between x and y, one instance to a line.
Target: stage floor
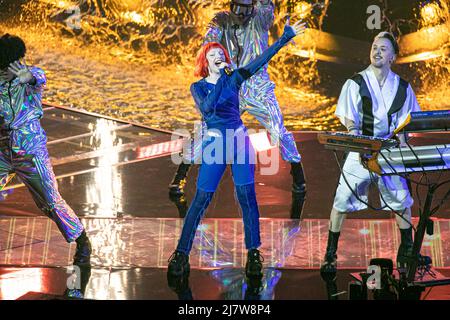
218	284
115	176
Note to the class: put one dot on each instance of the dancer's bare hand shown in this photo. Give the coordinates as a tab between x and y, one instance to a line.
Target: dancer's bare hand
21	72
297	28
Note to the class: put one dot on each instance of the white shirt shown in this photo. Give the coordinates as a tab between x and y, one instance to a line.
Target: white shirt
350	103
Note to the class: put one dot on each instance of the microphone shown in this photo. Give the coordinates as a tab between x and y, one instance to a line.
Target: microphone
227	69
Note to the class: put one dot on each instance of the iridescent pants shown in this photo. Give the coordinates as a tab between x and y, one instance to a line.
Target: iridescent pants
24	153
257	97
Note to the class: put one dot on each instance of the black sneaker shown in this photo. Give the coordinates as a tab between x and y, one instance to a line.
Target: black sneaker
253	267
178	264
83	251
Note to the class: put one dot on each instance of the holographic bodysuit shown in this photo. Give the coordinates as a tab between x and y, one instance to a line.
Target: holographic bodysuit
23	151
244	43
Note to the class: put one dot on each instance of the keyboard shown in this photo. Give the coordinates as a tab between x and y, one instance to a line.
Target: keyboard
357	143
426	121
410	160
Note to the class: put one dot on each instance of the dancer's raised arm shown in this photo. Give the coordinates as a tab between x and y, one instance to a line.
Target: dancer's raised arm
289	33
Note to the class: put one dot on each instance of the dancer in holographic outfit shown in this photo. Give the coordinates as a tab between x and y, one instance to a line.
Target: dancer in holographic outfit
23	148
217	98
243	31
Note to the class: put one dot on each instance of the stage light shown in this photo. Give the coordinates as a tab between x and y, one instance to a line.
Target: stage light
303	9
203	227
364	232
260	141
430	14
15	284
135	17
62	4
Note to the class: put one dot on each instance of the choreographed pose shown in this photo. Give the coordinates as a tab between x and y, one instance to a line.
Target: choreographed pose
23	141
217	97
244	32
374	102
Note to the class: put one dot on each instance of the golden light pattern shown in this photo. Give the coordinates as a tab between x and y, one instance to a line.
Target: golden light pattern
434	71
431	14
134	60
302	9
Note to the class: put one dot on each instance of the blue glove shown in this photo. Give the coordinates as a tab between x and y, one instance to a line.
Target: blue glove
288	33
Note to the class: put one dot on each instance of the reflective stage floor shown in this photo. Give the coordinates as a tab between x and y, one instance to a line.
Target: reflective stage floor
115	176
218	284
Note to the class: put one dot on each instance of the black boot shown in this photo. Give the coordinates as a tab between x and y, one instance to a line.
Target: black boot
405	249
180	285
298	190
179	180
83	252
181	204
254	288
178	264
298	178
298	200
253	267
330	261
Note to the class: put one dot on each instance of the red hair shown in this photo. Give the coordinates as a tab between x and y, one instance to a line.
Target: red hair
201	63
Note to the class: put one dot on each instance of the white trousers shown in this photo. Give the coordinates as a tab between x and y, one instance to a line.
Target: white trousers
394	192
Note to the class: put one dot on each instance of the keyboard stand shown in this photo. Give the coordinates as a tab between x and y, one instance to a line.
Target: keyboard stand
406	285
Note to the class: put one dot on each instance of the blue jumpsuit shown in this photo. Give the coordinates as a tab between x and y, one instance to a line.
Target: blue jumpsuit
257	94
219	105
23	151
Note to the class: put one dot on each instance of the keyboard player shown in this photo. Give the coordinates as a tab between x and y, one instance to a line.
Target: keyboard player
373	102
